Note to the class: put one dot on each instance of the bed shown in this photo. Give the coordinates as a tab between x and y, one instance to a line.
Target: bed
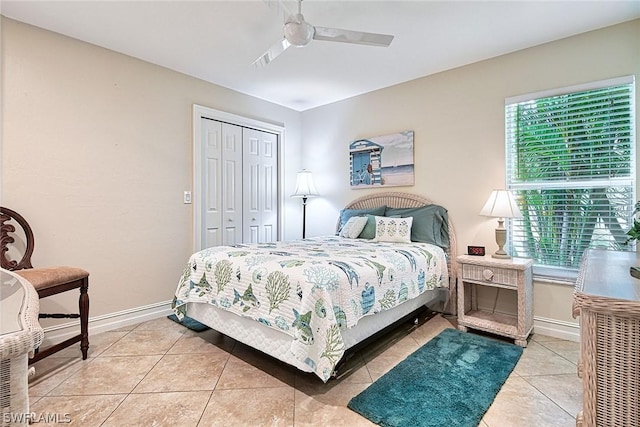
309	302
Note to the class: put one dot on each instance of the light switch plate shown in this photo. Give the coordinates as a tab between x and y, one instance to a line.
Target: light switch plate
187	197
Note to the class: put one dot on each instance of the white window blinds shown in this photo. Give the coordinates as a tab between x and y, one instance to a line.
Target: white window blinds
571	165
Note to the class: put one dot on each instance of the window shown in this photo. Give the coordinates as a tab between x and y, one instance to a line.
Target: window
570	158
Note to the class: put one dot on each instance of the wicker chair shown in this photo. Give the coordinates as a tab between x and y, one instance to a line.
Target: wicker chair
16	343
46	281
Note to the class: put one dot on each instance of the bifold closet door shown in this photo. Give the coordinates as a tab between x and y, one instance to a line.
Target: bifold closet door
260	186
222	186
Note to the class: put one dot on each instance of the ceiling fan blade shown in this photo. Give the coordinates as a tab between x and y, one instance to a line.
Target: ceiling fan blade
271	54
282	8
348	36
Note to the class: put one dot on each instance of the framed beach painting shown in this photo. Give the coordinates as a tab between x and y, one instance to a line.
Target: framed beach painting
382	161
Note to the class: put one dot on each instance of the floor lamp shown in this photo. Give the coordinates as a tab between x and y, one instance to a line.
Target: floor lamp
305	189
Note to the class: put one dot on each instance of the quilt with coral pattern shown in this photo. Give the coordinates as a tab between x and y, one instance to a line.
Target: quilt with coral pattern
311	289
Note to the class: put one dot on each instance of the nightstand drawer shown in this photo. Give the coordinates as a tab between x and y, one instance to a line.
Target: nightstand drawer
502	276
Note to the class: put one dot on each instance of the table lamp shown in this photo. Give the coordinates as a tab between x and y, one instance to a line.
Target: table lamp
501	204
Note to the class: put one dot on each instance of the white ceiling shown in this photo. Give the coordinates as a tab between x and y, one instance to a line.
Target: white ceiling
218	40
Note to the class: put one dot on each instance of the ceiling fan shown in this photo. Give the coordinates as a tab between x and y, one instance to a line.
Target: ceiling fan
299	33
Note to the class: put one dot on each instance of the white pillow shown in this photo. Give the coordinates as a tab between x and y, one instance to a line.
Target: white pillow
393	229
353	227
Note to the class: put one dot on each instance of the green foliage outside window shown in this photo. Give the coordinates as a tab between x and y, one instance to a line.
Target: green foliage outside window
570	163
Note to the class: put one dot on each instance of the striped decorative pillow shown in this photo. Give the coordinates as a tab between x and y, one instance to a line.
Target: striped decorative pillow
353	227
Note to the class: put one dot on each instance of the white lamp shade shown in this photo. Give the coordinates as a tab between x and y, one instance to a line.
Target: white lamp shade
304	185
501	204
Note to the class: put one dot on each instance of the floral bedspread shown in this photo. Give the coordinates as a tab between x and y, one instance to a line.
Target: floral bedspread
311	289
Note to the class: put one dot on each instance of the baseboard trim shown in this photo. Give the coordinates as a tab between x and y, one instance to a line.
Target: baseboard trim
556	328
107	322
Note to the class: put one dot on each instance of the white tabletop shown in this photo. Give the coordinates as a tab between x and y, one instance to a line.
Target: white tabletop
606	274
12	300
20	331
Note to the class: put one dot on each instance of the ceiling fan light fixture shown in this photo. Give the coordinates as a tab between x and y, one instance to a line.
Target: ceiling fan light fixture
297	31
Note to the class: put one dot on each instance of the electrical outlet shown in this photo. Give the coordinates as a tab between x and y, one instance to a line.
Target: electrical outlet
187	197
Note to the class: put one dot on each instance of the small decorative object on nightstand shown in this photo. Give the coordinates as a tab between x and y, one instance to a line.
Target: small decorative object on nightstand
476	250
514	274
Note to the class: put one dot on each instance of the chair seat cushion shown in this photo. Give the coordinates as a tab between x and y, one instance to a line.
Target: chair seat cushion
47	277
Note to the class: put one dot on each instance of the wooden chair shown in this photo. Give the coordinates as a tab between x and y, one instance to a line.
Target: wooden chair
46	281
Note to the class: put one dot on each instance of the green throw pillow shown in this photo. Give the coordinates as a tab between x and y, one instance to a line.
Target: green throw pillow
430	223
369	230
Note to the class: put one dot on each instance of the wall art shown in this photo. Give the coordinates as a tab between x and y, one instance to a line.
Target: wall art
382	161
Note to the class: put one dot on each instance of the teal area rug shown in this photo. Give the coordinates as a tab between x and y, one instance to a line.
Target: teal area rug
188	322
450	381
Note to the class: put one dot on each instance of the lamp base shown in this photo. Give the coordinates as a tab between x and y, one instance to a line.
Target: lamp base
501	240
500	256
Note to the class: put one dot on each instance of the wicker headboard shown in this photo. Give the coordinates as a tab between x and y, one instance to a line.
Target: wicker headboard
408	200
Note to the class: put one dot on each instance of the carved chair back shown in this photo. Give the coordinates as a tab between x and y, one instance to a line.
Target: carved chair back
8	237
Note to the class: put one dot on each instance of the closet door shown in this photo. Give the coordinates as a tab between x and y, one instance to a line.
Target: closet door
260	186
222	166
231	184
236	195
211	206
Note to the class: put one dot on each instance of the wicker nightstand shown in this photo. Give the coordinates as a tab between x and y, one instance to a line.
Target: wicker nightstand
514	274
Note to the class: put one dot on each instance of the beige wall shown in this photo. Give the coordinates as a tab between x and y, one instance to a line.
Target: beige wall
458	119
96	150
96	154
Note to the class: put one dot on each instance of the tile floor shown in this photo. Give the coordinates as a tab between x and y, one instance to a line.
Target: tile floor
158	373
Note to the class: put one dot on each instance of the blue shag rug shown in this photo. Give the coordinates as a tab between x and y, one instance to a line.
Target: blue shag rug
188	322
450	381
